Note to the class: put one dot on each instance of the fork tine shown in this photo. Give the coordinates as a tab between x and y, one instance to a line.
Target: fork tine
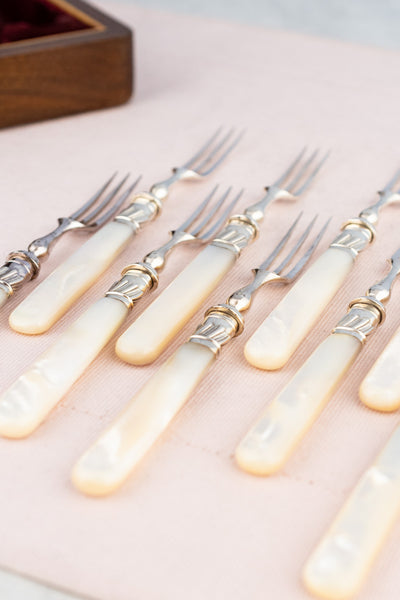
211	213
223	217
392	181
78	213
276	251
296	247
299	266
290	168
290	186
199	209
314	173
114	208
216	150
198	154
109	197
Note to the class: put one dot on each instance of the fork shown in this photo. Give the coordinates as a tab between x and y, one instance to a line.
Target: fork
278	337
273	438
106	465
54	296
175	306
343	558
24	265
34	394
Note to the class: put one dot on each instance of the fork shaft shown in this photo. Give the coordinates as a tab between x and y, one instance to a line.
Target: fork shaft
342	560
35	393
380	389
106	465
277	338
52	298
272	439
151	333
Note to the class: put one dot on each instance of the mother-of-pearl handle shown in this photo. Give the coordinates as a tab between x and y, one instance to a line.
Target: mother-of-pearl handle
340	564
30	399
106	465
274	342
272	439
154	329
380	389
3	297
53	297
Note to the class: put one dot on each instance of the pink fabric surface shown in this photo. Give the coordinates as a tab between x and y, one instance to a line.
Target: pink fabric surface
189	524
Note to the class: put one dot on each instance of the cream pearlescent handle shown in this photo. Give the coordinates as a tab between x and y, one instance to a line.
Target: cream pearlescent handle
154	329
53	297
273	438
3	297
107	464
380	389
35	393
277	338
342	560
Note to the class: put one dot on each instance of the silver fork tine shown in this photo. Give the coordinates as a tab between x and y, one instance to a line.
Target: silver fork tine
117	205
299	266
290	169
199	153
296	247
314	173
216	150
290	186
199	209
211	213
109	197
92	200
222	218
276	251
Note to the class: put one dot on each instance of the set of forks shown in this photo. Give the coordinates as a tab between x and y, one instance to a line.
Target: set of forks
333	571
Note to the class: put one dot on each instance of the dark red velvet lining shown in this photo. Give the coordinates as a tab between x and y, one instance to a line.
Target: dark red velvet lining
25	19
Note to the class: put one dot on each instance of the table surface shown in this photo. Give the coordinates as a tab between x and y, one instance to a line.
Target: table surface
189	524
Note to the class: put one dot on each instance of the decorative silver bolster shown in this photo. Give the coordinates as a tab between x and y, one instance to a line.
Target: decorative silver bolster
221	324
136	280
356	235
237	234
144	207
21	266
364	316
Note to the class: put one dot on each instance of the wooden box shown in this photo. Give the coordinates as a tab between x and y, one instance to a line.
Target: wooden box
60	57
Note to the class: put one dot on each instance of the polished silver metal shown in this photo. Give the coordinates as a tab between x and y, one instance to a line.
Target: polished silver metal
359	232
24	265
223	322
368	312
294	181
139	278
146	206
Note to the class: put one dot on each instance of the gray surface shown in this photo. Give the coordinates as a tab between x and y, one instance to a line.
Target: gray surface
364	21
375	22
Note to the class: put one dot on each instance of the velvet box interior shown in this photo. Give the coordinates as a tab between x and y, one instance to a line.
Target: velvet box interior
60	57
26	19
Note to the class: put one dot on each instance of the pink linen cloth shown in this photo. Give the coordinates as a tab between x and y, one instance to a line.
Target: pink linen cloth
189	525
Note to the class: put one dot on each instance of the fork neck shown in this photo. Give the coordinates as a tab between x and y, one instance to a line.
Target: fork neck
157	258
371	213
41	246
243	297
257	211
161	189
